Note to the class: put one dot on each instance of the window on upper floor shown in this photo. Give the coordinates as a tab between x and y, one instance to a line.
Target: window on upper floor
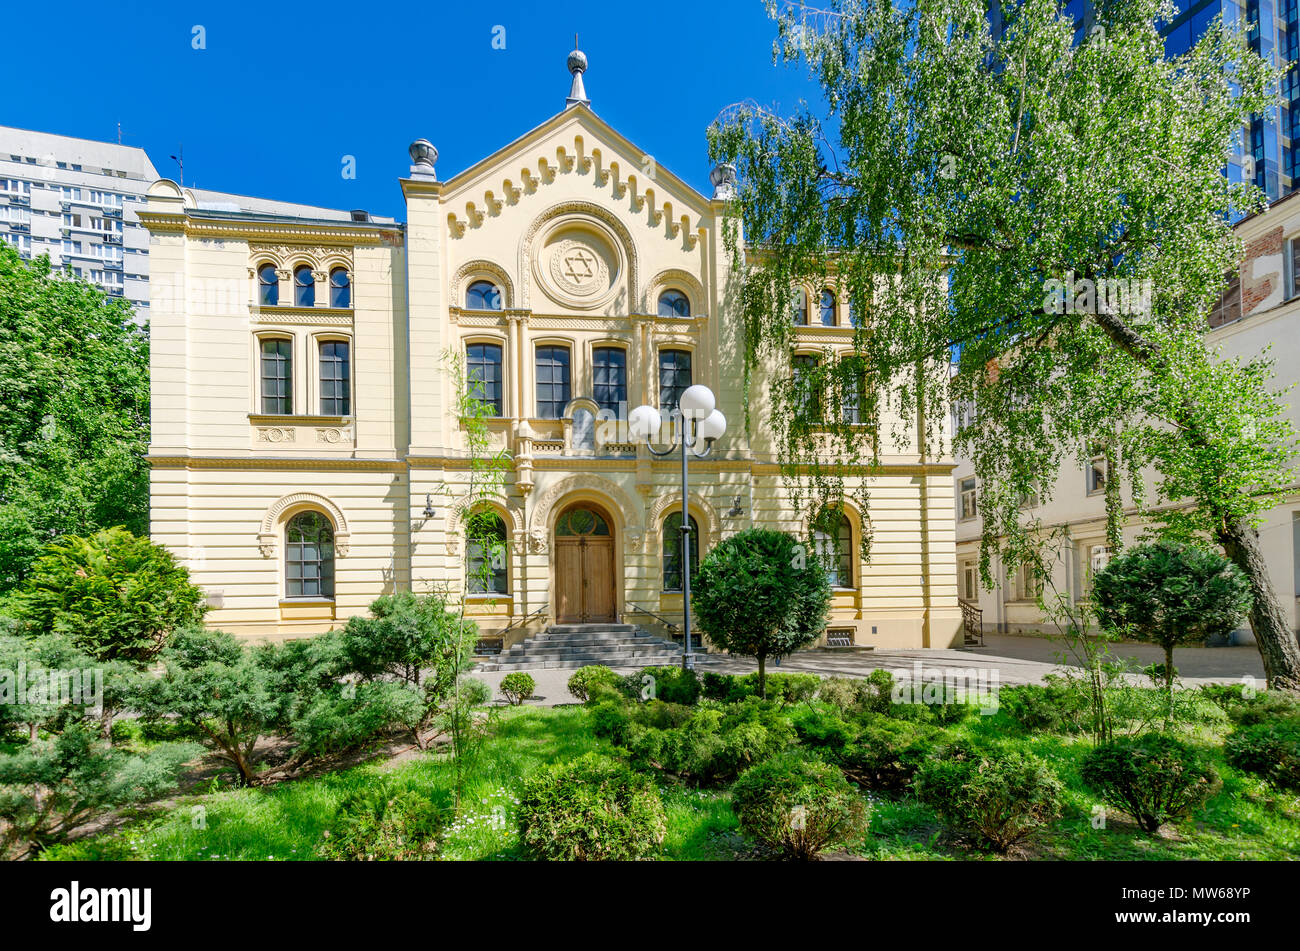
674	377
799	311
277	376
609	378
268	285
483	374
335	378
553	384
340	288
1097	473
804	366
304	286
827	308
853	387
309	556
673	303
966	508
483	295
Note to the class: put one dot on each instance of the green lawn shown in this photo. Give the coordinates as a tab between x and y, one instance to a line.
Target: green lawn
1245	820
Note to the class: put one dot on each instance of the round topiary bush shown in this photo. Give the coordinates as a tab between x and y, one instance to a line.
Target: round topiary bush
587	679
517	687
1152	777
798	806
1270	749
1001	795
592	809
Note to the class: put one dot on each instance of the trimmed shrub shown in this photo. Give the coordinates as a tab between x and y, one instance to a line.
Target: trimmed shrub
843	693
715	745
1001	795
670	684
475	692
785	689
1054	708
517	687
886	753
1152	777
585	679
821	729
611	720
118	596
1271	750
797	807
592	809
381	824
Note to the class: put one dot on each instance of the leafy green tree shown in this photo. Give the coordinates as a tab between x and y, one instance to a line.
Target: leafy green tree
49	787
74	412
759	593
116	595
1052	219
415	641
1171	593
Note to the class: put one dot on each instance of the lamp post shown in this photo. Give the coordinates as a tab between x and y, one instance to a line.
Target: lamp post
701	423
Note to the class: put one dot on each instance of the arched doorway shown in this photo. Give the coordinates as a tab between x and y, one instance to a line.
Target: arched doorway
584	566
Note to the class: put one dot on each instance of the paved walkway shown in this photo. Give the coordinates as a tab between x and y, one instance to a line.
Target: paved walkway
1017	660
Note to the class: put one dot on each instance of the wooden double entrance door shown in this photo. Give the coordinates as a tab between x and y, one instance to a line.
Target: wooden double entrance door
584	567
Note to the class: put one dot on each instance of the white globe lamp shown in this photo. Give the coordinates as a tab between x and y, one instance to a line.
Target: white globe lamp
697	402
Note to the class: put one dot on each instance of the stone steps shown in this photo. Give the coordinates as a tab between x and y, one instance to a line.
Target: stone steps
577	645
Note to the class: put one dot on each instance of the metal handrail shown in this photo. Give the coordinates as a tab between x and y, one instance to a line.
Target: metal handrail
972	622
640	610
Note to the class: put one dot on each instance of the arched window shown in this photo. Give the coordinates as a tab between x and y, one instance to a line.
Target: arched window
340	288
674	304
674	377
485	554
309	556
304	286
828	308
483	374
580	521
833	544
799	315
673	550
552	381
268	285
483	295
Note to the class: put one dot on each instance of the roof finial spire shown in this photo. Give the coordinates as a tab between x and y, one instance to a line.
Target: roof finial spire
577	66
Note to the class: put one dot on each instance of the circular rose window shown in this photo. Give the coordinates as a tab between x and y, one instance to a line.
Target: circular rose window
578	266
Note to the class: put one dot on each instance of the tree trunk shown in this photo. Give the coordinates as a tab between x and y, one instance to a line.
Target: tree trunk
762	676
1273	635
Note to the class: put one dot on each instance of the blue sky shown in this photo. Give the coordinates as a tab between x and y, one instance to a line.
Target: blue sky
283	91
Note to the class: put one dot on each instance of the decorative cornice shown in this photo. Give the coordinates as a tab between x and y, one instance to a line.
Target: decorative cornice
344	234
320	316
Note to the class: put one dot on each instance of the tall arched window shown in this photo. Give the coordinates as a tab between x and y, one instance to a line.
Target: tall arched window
799	315
485	554
674	303
672	555
833	544
340	288
483	295
335	378
268	285
304	286
609	378
828	308
309	556
483	374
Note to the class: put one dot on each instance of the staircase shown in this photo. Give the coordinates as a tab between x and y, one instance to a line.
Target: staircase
577	645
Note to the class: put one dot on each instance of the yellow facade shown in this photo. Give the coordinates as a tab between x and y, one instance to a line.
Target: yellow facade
579	234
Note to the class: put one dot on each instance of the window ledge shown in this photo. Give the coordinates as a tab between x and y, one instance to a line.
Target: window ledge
300	419
307	600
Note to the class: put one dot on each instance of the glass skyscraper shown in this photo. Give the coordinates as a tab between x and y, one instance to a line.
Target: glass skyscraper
1268	149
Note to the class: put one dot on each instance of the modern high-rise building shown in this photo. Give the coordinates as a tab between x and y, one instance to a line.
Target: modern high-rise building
76	200
1267	152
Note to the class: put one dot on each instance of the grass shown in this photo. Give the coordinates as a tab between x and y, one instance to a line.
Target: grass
1246	819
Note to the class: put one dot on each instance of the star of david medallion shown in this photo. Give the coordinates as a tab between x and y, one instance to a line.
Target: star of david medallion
578	270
